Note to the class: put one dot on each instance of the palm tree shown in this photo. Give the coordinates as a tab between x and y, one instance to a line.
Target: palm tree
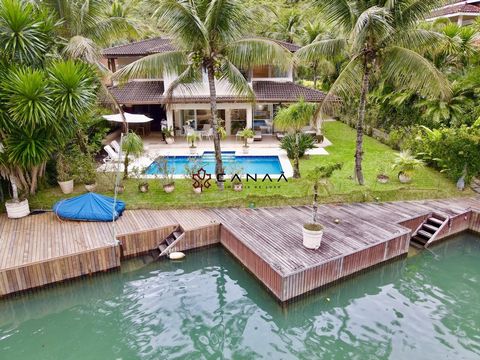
210	37
40	100
382	40
89	25
287	26
293	119
132	144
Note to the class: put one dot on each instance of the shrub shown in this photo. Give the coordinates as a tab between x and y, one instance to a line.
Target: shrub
305	143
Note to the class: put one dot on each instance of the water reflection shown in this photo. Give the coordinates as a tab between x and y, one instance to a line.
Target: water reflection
209	307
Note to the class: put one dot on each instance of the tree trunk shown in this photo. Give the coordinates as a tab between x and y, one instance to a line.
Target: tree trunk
296	160
13	182
214	125
315	66
125	167
34	180
315	202
360	122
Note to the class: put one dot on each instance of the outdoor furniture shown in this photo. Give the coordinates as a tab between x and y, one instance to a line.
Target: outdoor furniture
238	135
115	145
257	136
280	136
208	134
112	155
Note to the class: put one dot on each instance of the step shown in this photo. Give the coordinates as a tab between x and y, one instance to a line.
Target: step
177	234
436	221
418	241
169	240
162	247
424	234
430	228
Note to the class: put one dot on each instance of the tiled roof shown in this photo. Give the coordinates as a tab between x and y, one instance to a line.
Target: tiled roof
151	92
285	92
158	45
140	48
455	9
146	92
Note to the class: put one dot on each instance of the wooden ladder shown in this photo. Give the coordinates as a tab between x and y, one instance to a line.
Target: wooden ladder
428	231
170	241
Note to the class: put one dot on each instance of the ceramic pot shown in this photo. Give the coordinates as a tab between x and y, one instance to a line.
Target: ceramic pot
17	210
169	188
312	238
66	186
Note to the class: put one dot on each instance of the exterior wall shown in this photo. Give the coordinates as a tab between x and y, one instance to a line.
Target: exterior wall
270	76
475	221
58	269
313	278
142	242
259	268
194	239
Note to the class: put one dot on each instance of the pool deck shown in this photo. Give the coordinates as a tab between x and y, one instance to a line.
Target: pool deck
41	249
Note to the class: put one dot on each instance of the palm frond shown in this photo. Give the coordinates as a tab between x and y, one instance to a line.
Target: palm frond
337	12
419	40
79	47
180	20
188	83
235	81
226	20
154	66
372	25
409	70
250	52
328	49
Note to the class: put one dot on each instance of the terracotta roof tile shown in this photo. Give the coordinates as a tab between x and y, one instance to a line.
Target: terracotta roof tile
151	92
454	9
158	45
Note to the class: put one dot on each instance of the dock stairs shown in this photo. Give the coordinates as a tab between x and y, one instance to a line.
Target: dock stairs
170	241
428	231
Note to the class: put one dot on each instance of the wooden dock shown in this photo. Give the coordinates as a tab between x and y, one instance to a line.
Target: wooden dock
41	249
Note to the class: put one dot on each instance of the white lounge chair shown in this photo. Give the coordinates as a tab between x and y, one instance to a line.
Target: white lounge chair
208	134
112	155
115	145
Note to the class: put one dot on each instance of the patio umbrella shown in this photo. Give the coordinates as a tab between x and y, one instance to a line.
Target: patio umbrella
130	118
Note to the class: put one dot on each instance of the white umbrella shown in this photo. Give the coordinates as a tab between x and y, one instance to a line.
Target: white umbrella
130	118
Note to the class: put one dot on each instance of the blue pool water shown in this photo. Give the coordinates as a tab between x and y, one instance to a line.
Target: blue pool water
248	164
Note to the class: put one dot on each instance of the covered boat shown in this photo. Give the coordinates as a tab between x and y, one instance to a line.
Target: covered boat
89	207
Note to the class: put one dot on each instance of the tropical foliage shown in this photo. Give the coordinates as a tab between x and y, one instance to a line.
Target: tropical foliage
42	97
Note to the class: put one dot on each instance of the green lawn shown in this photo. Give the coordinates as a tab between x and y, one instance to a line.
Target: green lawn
427	183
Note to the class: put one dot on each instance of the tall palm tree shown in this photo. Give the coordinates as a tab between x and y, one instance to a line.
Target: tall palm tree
89	25
210	38
293	119
382	39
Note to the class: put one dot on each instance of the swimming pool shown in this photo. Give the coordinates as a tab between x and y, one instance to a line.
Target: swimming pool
208	307
249	164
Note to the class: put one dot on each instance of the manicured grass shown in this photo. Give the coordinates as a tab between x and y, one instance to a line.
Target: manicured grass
427	183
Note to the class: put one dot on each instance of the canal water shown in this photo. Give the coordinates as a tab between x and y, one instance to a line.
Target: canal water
208	307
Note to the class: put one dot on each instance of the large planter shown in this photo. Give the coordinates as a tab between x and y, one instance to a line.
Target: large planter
193	150
250	140
382	179
120	189
17	210
169	188
143	188
404	178
197	190
169	140
66	186
90	187
245	149
237	187
312	238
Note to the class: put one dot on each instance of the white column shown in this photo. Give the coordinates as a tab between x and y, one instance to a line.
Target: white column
170	118
228	121
460	20
250	117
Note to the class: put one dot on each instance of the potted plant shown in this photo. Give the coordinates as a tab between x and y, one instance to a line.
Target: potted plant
120	188
192	169
236	178
406	164
142	183
167	173
191	139
382	176
16	208
313	231
169	135
247	134
64	173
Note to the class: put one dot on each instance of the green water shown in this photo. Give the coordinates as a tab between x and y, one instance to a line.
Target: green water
208	307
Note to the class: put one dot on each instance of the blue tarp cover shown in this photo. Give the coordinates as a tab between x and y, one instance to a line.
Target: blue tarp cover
88	207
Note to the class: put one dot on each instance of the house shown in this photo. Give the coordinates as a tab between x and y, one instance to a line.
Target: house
273	88
460	12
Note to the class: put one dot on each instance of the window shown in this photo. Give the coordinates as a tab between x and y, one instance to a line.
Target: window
238	119
260	72
197	118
